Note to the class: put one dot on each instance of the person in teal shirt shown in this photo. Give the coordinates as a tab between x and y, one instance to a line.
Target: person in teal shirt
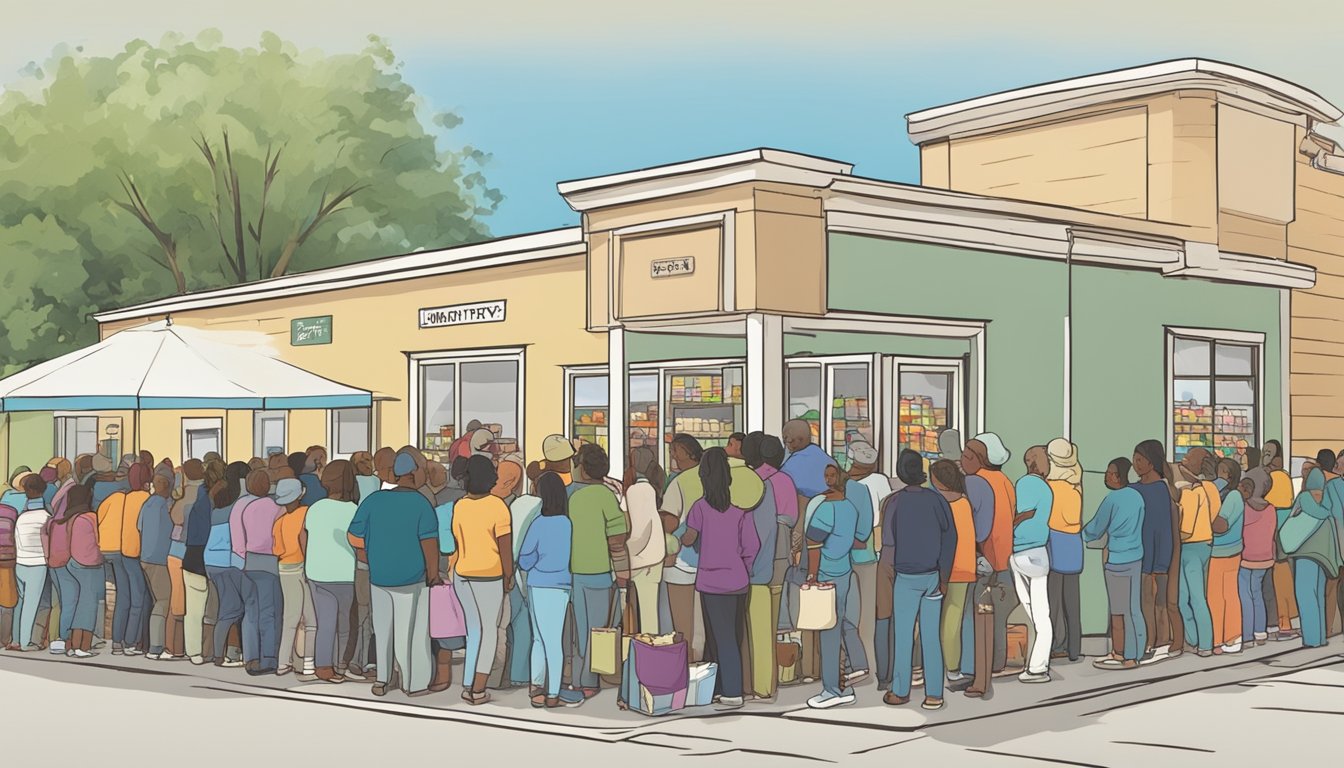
1119	519
1030	562
834	524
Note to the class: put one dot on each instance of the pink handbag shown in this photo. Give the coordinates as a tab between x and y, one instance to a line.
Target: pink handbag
445	613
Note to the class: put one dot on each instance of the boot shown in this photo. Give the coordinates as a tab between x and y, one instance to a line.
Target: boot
443	671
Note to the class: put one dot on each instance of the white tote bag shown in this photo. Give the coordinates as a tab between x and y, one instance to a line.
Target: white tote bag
816	606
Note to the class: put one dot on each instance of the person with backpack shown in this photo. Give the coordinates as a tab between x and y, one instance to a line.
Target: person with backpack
70	542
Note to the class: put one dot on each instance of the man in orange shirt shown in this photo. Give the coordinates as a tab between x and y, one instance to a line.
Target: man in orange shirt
137	589
993	505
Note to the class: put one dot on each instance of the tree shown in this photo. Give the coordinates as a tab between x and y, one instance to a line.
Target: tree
192	165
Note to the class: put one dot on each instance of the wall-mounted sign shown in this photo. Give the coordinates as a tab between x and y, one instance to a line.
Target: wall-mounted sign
682	265
463	314
304	331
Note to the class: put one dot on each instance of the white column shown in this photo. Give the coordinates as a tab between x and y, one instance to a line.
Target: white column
618	411
765	373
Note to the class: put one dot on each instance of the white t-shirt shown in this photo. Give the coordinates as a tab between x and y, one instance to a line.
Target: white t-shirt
28	537
647	545
879	488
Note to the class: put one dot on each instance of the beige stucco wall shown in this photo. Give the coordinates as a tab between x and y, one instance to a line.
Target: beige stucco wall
376	326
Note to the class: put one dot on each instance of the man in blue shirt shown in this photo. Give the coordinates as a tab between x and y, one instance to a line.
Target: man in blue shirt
399	532
1119	520
1030	562
832	533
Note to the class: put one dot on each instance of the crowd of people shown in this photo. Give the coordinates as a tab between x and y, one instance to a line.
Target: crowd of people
326	569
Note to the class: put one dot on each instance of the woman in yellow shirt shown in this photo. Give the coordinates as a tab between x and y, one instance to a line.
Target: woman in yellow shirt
483	562
1066	548
1196	551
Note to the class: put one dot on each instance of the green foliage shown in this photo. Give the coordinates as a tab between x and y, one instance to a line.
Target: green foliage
108	196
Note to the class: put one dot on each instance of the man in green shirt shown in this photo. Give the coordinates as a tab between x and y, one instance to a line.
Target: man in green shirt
600	530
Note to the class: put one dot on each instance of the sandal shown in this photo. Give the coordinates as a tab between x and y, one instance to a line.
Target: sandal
474	698
539	701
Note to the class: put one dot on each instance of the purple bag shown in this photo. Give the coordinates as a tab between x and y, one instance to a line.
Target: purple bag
662	669
445	613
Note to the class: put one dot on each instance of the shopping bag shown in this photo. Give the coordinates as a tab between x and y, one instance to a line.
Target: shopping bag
657	697
1297	529
788	649
604	643
701	678
816	606
445	613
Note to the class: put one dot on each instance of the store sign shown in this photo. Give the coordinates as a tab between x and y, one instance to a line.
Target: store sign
683	265
305	331
463	314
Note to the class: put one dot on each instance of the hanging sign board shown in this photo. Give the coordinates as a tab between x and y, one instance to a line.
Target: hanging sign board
463	314
304	331
682	265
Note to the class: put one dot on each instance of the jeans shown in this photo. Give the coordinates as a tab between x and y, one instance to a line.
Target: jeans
955	605
1309	584
401	634
81	602
1194	596
518	637
196	593
1031	577
298	609
547	607
1124	591
331	614
31	578
915	597
231	589
262	612
1224	600
592	608
725	619
482	602
1066	616
1004	600
137	589
856	651
361	620
833	639
68	588
122	588
159	585
1251	591
865	579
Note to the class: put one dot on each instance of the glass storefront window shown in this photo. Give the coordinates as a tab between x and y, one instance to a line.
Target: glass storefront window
268	433
804	397
851	413
925	407
76	435
489	394
350	431
644	410
705	403
438	406
588	406
455	393
1214	389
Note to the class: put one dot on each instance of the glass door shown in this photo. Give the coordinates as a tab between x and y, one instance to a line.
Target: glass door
803	396
705	403
851	412
928	401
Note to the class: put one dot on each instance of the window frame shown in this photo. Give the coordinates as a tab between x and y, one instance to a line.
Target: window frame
418	360
333	433
894	366
260	416
1214	336
200	424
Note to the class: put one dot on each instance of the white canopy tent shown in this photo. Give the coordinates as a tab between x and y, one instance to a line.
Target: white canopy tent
162	366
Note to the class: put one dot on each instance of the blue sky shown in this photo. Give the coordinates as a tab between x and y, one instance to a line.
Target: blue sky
556	91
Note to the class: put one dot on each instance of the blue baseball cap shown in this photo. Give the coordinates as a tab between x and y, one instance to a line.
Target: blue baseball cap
404	464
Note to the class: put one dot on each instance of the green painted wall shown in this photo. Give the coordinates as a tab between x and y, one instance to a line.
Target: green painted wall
30	438
1119	344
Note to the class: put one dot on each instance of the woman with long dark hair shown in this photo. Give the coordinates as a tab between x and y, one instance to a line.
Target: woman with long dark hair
71	543
219	560
329	567
647	545
1166	631
726	539
544	557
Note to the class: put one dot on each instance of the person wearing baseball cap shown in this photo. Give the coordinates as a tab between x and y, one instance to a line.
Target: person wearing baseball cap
558	452
296	599
399	533
867	488
13	495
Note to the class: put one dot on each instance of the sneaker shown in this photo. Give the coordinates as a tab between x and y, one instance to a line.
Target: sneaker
730	702
1288	634
1108	662
1203	654
153	656
1034	677
198	660
117	650
284	670
133	652
80	653
855	677
231	663
932	704
826	700
350	673
57	647
960	684
1232	647
570	698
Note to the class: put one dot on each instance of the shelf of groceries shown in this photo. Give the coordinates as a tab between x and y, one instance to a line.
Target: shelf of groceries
1217	428
919	423
437	444
850	419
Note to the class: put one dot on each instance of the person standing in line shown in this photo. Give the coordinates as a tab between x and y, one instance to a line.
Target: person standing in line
598	560
31	560
867	488
75	538
366	477
1257	557
57	554
1066	548
155	528
765	454
993	501
296	597
647	545
805	463
137	618
329	567
483	564
221	564
186	490
314	460
253	536
1031	560
919	545
949	482
725	538
1196	549
544	557
1166	634
199	609
398	531
513	630
1318	555
1119	520
683	490
1280	595
1225	563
